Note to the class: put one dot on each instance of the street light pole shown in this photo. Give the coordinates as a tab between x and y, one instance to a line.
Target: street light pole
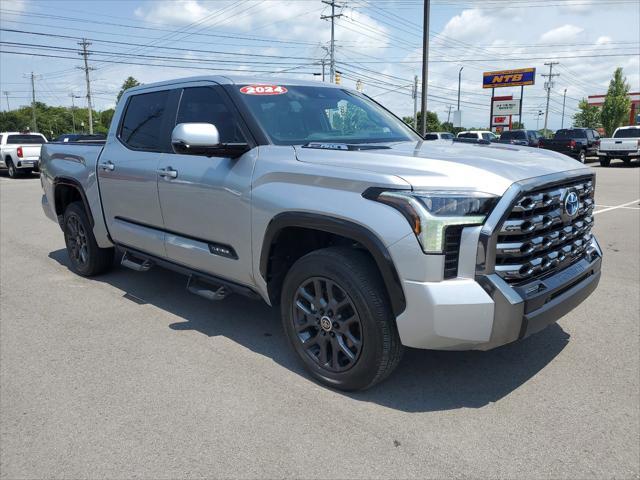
459	79
425	63
564	100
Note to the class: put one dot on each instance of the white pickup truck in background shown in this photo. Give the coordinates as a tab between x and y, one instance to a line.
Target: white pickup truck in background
624	145
20	152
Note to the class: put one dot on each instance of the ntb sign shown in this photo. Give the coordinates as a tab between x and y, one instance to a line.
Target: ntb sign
509	78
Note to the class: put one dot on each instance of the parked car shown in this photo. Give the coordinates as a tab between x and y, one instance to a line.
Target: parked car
366	237
80	137
439	136
578	143
20	152
527	138
478	135
624	145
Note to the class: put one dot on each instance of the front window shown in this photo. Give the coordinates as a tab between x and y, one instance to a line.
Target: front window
488	136
296	115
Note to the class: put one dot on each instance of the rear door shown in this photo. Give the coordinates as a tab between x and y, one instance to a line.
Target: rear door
207	206
127	171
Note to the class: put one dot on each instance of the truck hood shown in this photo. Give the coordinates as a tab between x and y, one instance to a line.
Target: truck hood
446	164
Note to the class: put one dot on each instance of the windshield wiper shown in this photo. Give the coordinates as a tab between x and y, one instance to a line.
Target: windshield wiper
344	146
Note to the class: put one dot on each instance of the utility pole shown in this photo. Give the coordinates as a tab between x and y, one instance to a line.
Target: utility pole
6	94
449	114
84	44
34	124
415	102
425	62
459	79
549	86
564	100
332	49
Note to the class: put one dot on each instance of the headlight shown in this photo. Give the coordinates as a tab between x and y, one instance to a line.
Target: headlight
430	212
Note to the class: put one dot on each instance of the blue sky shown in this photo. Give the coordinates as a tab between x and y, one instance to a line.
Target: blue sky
378	42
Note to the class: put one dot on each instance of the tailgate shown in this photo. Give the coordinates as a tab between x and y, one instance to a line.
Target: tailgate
619	145
31	152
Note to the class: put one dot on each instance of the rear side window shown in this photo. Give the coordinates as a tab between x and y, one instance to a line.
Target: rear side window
446	136
25	140
206	105
431	136
143	121
468	135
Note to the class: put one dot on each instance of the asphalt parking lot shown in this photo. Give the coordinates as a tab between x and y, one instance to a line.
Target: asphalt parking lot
128	375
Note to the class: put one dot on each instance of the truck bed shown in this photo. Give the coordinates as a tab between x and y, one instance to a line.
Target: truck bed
75	163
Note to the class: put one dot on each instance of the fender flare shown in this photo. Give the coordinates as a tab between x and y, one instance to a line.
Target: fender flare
344	228
72	182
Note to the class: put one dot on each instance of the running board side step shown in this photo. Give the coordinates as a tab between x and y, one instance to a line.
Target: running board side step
135	263
210	291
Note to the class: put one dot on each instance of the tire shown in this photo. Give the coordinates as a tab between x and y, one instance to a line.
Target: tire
11	169
605	162
362	323
627	161
86	258
582	157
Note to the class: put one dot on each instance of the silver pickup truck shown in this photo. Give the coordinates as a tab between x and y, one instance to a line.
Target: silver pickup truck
315	198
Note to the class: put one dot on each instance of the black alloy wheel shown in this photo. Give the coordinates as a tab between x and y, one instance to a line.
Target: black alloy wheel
327	324
76	239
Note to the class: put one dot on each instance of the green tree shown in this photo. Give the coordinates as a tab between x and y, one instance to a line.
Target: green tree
433	123
130	82
106	116
517	126
587	116
615	110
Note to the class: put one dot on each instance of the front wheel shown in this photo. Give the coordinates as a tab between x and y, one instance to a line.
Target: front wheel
87	259
337	316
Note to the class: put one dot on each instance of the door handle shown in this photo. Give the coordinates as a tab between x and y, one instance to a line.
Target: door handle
168	172
107	166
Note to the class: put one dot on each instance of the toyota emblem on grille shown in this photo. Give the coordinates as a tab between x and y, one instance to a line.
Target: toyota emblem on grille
571	203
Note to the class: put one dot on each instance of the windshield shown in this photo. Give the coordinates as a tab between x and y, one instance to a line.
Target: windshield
25	139
627	133
296	115
568	134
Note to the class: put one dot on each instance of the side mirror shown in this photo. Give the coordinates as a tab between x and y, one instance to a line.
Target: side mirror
203	139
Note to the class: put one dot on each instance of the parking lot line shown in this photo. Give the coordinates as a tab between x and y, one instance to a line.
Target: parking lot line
617	206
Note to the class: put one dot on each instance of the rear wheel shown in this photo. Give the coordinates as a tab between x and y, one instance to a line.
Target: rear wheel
337	316
627	161
605	162
582	157
11	169
87	259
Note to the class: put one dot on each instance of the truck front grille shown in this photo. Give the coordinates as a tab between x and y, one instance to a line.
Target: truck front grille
539	235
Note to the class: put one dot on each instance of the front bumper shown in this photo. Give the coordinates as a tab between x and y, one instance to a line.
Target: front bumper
481	314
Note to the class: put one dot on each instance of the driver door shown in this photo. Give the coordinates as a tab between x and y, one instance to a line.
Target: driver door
206	201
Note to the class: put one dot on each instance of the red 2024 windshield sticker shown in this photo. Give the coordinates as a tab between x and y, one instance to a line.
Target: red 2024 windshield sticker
263	90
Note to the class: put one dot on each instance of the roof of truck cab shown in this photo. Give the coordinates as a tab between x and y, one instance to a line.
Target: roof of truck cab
236	80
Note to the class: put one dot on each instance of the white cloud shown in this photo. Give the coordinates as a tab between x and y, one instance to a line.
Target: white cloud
173	13
17	6
603	40
561	34
469	24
